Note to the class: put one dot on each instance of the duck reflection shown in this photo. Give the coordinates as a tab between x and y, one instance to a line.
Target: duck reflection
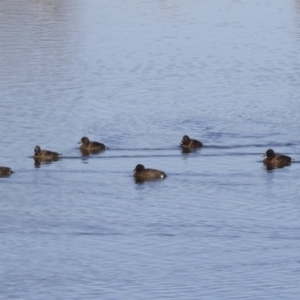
38	162
88	152
189	150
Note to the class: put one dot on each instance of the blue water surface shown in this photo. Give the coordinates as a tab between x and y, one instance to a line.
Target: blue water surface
137	76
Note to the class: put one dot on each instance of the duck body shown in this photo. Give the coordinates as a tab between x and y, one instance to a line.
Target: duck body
275	159
45	154
187	143
88	145
5	171
143	174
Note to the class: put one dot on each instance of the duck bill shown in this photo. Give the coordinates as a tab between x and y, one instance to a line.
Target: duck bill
263	155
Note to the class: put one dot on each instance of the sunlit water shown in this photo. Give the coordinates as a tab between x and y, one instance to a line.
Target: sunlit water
137	76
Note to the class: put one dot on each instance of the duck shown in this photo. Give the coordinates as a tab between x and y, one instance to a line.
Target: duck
143	174
45	154
5	171
187	143
86	144
275	159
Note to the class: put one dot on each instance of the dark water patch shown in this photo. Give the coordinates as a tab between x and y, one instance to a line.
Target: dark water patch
120	156
173	148
150	155
86	233
162	234
3	177
145	149
267	145
283	237
201	151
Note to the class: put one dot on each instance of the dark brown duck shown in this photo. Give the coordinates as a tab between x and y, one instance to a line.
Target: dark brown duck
142	174
45	154
188	143
5	171
86	144
276	159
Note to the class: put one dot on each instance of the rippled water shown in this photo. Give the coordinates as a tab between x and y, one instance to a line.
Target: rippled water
137	76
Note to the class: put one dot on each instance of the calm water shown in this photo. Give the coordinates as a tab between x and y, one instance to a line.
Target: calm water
137	76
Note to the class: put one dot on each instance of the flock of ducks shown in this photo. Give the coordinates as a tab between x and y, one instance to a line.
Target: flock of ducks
271	161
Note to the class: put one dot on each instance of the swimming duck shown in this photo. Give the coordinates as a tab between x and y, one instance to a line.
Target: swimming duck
86	144
45	154
4	171
142	174
187	143
275	159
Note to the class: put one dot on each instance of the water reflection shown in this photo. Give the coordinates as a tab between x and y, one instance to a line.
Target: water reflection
86	152
189	150
169	5
270	167
35	39
38	162
297	9
140	181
